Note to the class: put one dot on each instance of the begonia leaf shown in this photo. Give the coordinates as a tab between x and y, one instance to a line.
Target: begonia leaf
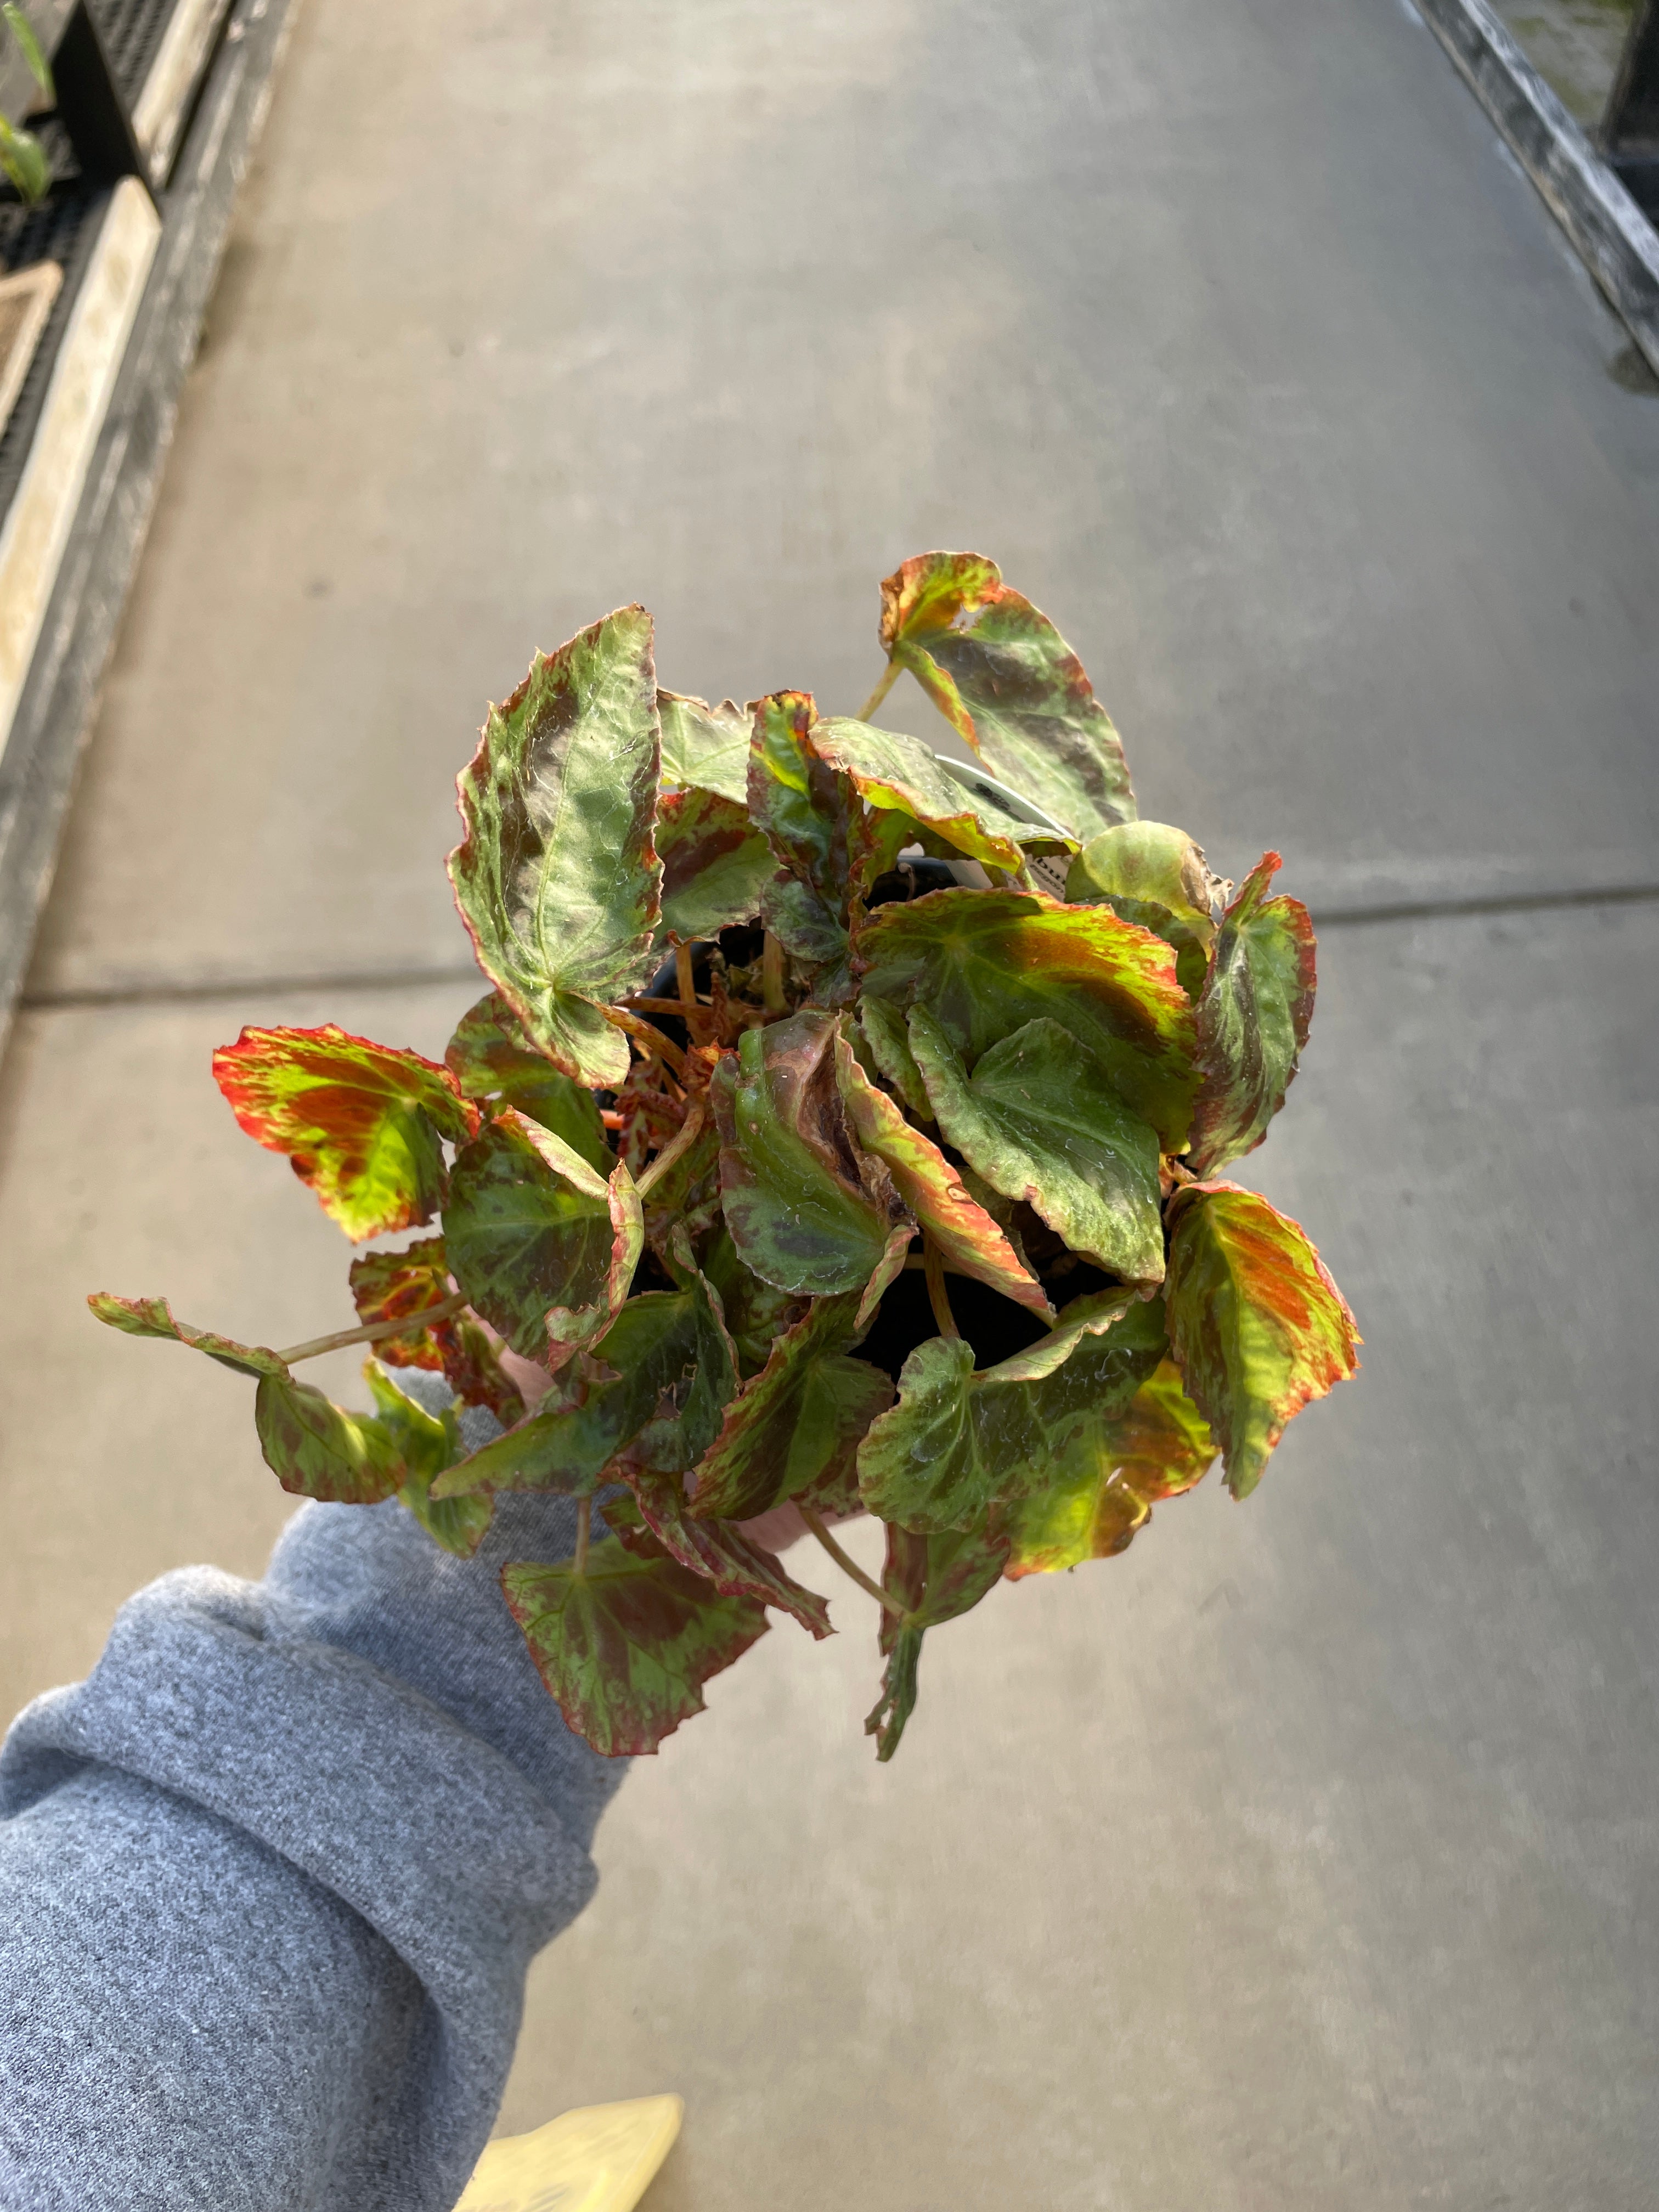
627	1645
796	1427
683	1185
887	1035
427	1443
958	1440
705	748
1005	679
1253	1020
936	1578
720	1551
362	1122
1039	1121
649	1118
674	1441
396	1286
543	1246
889	770
571	1439
315	1448
1257	1325
933	1191
1108	1477
556	877
715	865
756	1313
806	1211
1152	873
983	963
154	1317
803	808
491	1058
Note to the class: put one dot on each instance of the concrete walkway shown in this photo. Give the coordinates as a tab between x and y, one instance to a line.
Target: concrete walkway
1306	1857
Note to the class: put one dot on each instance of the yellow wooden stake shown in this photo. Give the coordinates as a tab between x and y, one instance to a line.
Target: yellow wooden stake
599	2159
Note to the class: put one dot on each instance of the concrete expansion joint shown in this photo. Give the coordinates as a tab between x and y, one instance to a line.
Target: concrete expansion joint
176	990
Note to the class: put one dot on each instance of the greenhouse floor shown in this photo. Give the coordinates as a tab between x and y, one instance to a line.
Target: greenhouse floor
1305	1856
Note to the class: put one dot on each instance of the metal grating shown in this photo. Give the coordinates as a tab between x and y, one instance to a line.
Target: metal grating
63	229
131	31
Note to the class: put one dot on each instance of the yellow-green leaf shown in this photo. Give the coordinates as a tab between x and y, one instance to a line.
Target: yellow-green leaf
1253	1020
1256	1324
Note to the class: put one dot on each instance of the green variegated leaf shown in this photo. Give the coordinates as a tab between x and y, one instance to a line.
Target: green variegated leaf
674	1441
1256	1324
427	1443
805	811
705	748
542	1246
626	1646
1039	1121
154	1317
807	1214
890	771
959	1442
315	1448
362	1122
1002	676
936	1579
682	1187
1253	1020
984	963
796	1427
719	1551
886	1034
715	865
1108	1477
587	1420
490	1057
556	877
933	1191
756	1313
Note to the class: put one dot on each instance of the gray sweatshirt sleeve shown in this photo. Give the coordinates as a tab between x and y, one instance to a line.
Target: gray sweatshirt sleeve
270	1880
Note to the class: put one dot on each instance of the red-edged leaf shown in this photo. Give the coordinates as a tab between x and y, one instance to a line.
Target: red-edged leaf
556	877
490	1057
1039	1121
1002	676
1107	1478
361	1121
936	1578
543	1245
807	1211
883	1028
473	1369
1256	1324
797	1425
719	1551
984	963
1253	1020
154	1317
715	865
315	1448
932	1190
395	1286
627	1646
959	1442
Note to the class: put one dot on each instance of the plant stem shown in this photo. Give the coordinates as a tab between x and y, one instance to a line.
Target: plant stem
889	678
651	1041
584	1530
683	976
938	1296
850	1566
373	1332
772	976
